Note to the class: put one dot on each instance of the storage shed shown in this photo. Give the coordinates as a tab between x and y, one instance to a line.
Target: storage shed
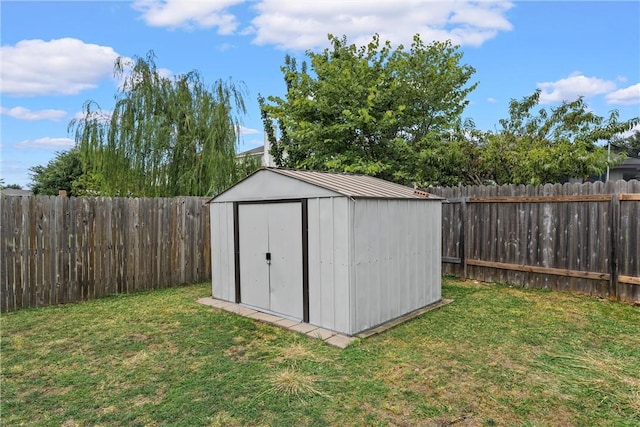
339	251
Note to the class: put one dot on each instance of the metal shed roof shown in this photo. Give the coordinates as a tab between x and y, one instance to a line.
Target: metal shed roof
355	186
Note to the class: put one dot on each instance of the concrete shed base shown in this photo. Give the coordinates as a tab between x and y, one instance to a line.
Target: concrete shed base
398	320
330	337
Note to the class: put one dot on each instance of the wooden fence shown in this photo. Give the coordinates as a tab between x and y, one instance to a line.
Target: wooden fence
583	238
56	250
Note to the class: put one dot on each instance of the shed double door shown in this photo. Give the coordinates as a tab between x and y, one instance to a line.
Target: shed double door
270	240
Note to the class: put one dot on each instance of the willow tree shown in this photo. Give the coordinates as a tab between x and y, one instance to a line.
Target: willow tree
166	136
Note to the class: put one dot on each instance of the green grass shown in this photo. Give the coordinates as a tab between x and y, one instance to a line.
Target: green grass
496	356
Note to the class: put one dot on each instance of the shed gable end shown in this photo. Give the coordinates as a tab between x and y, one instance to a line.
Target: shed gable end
267	185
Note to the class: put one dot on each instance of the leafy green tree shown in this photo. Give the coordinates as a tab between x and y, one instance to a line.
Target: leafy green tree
547	146
166	136
629	146
12	186
371	109
59	174
451	159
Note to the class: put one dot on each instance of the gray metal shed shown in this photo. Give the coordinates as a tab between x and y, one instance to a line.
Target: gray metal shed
339	251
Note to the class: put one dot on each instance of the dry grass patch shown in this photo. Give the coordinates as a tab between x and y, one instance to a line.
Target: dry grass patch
292	382
297	351
237	352
224	419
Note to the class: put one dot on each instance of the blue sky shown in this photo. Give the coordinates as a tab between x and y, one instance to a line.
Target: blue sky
57	55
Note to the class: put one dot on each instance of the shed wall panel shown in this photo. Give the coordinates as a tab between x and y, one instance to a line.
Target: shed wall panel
329	263
313	223
433	253
342	263
352	267
222	251
395	264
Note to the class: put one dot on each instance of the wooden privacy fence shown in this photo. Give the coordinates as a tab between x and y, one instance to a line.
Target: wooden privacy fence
583	238
56	249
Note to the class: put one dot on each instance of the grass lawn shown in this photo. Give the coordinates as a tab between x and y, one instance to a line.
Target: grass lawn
495	356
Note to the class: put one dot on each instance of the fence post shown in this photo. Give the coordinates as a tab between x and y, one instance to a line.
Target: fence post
615	221
463	237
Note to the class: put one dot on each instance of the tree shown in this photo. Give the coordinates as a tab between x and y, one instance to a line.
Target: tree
629	146
166	136
12	186
371	109
59	174
453	158
547	146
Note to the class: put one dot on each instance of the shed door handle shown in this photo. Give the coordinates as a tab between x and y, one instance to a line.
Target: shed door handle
268	256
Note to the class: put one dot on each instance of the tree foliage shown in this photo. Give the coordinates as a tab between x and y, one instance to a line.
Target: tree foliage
547	146
628	146
61	173
397	114
11	186
370	109
166	136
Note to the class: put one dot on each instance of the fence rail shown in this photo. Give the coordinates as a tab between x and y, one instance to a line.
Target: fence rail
56	250
583	238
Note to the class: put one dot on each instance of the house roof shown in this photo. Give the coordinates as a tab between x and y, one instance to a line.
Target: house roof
15	192
253	151
349	185
628	163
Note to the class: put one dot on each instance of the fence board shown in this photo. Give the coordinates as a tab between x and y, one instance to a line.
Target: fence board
87	236
8	255
206	235
547	230
31	299
63	249
50	253
130	243
107	275
56	249
17	250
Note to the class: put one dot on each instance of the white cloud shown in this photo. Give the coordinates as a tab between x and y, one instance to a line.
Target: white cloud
26	114
47	143
62	66
225	47
572	87
165	72
189	14
304	25
247	131
627	96
491	100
